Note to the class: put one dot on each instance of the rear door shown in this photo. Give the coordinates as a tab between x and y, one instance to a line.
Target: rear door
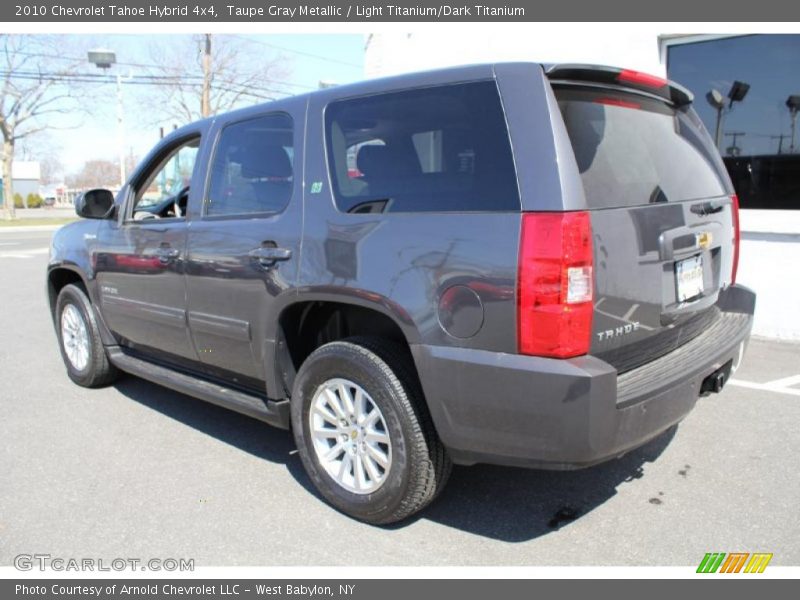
244	242
661	212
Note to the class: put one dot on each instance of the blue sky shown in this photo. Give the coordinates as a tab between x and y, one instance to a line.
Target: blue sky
306	59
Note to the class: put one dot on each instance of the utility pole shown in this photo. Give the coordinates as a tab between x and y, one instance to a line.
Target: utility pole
780	138
205	102
733	149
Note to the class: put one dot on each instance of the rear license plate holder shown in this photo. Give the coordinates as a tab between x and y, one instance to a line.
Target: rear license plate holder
689	278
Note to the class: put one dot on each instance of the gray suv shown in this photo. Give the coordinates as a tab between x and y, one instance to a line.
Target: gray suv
516	264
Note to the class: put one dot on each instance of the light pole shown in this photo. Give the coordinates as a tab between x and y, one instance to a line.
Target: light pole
715	98
717	102
103	59
793	102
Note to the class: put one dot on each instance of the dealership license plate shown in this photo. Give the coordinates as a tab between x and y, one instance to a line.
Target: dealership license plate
689	276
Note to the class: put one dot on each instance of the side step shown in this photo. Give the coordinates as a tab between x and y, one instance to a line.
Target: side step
274	412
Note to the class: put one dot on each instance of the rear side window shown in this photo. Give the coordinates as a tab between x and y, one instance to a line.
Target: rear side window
438	149
632	150
251	172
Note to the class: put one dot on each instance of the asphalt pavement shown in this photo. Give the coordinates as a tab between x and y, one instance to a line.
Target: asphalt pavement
135	470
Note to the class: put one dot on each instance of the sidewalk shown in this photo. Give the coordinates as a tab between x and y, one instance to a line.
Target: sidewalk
29	228
60	212
30	217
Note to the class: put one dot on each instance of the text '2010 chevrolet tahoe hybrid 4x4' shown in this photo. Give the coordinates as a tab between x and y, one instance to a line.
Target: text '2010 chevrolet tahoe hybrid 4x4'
516	264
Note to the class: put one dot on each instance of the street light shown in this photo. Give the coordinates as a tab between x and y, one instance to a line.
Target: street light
737	92
793	102
104	59
717	102
715	98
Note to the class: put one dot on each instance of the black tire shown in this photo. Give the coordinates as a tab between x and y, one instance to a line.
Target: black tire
419	466
98	371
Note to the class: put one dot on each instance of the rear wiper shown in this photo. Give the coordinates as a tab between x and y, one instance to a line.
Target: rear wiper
706	208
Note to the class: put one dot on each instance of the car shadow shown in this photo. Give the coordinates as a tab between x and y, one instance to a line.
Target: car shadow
503	503
517	505
240	431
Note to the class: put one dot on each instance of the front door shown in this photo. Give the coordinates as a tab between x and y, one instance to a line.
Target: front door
140	259
243	245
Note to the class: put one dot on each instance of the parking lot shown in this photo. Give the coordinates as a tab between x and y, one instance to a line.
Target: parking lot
135	470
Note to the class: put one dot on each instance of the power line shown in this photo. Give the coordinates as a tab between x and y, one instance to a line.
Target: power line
153	66
250	92
153	80
298	52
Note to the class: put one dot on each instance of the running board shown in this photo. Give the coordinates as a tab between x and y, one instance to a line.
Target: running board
274	412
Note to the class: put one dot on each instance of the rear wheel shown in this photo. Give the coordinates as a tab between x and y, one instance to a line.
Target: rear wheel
363	431
79	340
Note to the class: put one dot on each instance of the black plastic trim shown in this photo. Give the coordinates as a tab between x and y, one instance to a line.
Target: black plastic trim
274	412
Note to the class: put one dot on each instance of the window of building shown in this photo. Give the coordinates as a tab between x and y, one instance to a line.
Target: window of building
443	148
758	134
252	167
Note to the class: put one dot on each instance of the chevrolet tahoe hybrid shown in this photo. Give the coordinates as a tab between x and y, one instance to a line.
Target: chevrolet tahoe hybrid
516	264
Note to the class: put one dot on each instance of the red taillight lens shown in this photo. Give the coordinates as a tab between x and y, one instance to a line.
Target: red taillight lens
643	79
737	238
554	299
617	102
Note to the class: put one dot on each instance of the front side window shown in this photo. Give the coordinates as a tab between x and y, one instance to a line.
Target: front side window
165	190
252	172
442	148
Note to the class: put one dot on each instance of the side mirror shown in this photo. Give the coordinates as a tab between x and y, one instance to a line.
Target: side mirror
95	204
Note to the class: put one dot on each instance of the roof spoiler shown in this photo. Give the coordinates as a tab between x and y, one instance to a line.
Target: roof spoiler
635	80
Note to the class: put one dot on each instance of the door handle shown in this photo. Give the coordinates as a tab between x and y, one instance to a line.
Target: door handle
687	236
267	256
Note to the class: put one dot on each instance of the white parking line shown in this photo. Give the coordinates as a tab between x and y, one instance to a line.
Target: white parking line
630	312
785	381
24	253
770	386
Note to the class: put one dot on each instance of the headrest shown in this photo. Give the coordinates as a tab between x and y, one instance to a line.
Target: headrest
265	160
385	162
371	158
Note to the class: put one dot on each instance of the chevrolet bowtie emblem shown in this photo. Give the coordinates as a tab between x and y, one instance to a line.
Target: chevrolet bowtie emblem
704	239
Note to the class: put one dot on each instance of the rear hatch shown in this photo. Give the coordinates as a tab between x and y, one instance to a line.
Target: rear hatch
661	207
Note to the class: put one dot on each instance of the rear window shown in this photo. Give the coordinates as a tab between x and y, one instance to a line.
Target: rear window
441	149
632	150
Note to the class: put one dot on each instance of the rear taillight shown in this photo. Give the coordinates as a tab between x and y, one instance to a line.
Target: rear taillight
737	238
554	299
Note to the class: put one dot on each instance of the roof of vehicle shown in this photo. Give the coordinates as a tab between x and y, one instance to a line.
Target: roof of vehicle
583	72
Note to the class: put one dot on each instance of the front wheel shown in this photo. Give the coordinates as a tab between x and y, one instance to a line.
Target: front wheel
79	340
364	433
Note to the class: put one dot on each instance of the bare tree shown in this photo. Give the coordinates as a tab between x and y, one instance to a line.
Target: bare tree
32	90
213	74
95	173
52	168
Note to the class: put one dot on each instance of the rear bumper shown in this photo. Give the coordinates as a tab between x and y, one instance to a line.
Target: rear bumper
511	409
